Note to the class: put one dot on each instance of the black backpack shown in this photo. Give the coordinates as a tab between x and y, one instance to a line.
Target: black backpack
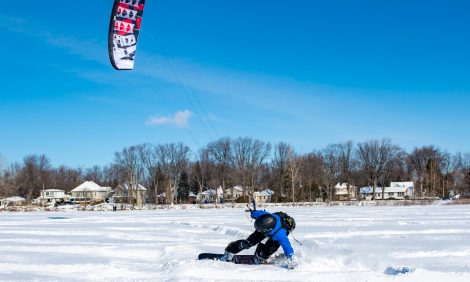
287	221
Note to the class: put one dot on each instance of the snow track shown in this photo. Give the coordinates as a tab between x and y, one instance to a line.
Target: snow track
417	243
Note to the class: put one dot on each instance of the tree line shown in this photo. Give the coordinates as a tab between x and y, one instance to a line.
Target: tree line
173	171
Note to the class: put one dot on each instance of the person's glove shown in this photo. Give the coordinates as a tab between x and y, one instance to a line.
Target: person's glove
228	256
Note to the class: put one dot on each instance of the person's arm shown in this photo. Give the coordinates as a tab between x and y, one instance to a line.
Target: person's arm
281	237
257	213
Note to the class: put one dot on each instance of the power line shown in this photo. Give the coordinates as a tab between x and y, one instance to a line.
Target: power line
185	85
164	100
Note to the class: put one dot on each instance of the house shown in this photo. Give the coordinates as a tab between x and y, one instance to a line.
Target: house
342	193
234	192
208	196
12	201
161	198
137	196
211	196
51	196
409	185
398	191
264	196
89	191
192	198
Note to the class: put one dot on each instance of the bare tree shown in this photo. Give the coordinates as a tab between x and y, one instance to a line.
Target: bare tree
66	178
94	174
34	175
248	158
294	167
149	155
346	162
241	151
331	157
375	156
280	165
311	172
424	164
9	180
462	177
129	161
258	153
221	154
178	155
201	169
448	166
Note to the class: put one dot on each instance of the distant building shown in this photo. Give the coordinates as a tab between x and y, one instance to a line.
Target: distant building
125	192
192	198
409	186
397	191
211	196
161	198
264	196
12	201
51	196
89	191
342	193
234	193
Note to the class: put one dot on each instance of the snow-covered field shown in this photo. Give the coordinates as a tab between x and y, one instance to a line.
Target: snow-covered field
411	243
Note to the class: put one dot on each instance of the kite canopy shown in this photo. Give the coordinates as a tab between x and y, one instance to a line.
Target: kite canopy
124	28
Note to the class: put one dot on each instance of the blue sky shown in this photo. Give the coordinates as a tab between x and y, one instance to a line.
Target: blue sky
308	73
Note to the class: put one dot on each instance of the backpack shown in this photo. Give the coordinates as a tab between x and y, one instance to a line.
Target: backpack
287	222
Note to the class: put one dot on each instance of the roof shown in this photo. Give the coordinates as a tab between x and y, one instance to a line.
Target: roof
238	188
14	199
409	184
53	190
125	186
266	192
90	186
368	190
209	192
343	186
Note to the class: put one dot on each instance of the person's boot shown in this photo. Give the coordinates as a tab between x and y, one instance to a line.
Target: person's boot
259	257
228	256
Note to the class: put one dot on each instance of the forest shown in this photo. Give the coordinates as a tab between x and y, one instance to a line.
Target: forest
174	170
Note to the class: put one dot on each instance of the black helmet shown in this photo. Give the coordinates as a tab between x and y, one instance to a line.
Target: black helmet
265	223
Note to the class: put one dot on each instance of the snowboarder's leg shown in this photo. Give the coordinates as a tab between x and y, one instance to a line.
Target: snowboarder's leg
264	251
240	245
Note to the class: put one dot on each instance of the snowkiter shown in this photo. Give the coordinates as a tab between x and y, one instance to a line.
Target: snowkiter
274	226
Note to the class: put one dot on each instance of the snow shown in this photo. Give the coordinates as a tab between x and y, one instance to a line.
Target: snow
341	243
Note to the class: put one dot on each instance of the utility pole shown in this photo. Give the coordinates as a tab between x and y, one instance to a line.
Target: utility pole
42	195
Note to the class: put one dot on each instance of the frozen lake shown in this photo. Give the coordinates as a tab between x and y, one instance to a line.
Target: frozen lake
412	243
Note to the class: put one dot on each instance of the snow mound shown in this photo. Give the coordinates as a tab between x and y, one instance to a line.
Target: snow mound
393	270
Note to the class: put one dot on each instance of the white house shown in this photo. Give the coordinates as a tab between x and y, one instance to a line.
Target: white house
341	191
264	196
211	196
409	185
12	201
397	191
234	192
90	191
51	196
138	194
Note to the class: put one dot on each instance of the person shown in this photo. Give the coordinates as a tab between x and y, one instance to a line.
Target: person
274	226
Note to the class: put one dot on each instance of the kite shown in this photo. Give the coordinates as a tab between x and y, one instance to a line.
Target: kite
124	27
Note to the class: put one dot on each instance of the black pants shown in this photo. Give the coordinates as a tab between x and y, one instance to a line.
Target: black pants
264	251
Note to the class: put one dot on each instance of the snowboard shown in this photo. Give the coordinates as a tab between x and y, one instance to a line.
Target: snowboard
237	259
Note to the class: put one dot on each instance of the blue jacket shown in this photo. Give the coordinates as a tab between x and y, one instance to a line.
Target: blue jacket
278	233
